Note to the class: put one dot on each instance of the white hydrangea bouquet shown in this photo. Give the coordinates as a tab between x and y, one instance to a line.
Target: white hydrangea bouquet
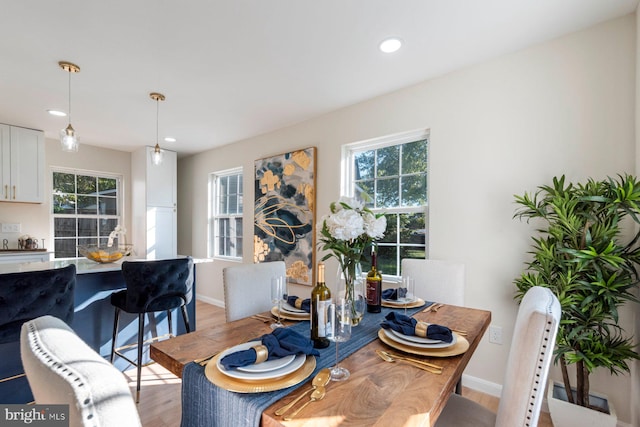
346	232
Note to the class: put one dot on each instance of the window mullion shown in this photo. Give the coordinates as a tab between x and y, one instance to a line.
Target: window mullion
375	179
400	175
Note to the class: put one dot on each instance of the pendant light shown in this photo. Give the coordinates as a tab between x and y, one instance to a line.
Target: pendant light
157	153
68	137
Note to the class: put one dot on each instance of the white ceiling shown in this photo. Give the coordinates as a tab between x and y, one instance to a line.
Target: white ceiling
238	68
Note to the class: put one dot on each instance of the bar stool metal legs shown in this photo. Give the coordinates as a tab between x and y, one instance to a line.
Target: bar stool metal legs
114	335
139	364
185	317
140	343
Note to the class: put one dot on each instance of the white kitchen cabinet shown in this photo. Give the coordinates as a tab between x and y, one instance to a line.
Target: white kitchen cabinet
154	204
161	180
22	163
161	232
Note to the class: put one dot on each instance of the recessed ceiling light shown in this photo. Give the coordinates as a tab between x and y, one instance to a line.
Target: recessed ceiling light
57	113
169	139
390	45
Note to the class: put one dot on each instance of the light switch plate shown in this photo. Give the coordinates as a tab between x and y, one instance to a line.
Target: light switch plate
10	228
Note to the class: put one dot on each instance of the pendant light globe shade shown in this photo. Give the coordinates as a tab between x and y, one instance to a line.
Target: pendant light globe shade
68	137
157	155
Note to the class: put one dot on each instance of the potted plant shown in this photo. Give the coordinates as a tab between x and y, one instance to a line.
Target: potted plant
581	254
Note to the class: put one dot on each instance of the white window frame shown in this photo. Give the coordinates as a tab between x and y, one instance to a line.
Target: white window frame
214	215
120	200
347	186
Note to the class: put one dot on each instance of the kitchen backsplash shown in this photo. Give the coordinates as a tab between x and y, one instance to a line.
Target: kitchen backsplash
30	219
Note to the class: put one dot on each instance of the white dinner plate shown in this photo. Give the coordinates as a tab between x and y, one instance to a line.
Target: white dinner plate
414	338
400	301
461	346
417	302
268	365
291	309
440	344
286	367
290	315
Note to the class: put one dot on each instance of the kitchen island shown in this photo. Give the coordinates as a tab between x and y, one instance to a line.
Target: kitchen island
93	317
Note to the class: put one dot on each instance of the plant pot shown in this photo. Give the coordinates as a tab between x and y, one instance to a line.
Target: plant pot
565	414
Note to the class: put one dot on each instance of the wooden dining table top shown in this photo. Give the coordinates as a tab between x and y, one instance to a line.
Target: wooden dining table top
378	393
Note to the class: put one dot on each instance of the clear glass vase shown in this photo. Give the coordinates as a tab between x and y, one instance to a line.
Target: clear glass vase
352	287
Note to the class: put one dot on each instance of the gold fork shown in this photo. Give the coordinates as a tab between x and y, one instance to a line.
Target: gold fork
422	362
433	307
428	309
388	358
262	318
203	360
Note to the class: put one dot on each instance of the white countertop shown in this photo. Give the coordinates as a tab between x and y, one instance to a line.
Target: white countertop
83	265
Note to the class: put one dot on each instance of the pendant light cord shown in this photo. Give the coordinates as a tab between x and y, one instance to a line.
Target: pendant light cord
69	96
157	119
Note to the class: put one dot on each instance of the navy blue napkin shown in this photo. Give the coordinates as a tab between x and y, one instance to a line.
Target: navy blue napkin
306	303
407	325
394	293
281	342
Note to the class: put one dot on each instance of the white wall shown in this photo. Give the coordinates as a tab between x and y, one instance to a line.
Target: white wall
36	218
497	129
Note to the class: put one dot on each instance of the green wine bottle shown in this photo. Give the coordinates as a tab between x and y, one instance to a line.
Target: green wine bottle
320	301
374	286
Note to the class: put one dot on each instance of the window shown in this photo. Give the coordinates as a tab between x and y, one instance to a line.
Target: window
225	224
390	175
86	209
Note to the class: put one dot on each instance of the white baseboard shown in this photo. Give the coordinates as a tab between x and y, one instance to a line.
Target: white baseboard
493	389
210	300
484	386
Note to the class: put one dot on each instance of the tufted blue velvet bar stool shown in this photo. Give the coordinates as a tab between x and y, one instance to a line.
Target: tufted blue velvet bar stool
152	286
25	296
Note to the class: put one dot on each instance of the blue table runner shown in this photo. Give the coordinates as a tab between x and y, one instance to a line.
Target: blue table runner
207	405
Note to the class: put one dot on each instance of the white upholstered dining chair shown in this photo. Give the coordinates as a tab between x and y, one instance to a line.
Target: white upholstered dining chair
247	288
436	280
526	372
62	369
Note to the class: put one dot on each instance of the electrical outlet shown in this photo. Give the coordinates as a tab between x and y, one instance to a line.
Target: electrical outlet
10	228
495	334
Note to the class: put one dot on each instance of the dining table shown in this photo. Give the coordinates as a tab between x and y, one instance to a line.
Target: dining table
377	393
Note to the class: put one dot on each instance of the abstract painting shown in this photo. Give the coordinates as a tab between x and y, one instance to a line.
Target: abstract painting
284	213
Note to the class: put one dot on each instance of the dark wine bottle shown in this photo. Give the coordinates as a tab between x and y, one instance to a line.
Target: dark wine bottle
374	286
320	301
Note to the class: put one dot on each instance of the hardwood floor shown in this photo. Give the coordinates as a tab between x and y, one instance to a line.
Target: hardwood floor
160	400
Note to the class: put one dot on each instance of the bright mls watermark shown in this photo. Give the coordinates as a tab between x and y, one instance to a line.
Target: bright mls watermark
34	415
